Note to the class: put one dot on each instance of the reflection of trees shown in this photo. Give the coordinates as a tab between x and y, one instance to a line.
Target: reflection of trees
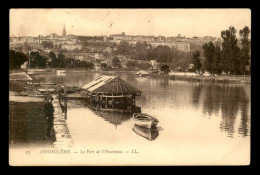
244	105
229	99
229	108
196	95
164	82
212	99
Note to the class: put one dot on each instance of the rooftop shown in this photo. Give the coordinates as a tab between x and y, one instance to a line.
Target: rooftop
111	85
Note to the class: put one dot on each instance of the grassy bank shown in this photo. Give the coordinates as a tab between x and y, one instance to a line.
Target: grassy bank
27	125
17	86
218	79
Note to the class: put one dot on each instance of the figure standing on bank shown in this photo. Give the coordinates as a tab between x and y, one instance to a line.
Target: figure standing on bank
48	114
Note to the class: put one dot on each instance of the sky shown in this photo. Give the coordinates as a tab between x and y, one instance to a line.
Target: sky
90	22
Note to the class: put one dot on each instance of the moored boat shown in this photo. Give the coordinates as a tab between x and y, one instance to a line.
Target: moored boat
150	134
145	120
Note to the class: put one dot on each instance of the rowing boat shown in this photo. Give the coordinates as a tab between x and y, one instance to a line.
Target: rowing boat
150	134
145	120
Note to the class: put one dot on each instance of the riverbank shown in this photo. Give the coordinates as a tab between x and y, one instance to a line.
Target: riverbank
219	79
27	124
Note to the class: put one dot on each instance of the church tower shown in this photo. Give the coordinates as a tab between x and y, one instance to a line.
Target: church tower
64	31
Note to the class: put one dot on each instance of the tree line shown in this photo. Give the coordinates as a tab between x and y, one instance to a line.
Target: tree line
16	59
162	54
230	58
36	60
61	61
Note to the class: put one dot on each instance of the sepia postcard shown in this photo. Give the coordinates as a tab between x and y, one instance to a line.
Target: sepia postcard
129	87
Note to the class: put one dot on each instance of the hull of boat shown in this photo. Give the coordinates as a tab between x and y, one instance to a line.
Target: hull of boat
148	124
149	134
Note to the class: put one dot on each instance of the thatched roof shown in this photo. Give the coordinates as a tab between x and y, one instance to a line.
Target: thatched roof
111	85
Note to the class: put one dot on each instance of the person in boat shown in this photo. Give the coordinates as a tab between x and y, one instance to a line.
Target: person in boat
48	114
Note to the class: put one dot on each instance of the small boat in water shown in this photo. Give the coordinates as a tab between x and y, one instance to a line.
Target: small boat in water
150	134
145	120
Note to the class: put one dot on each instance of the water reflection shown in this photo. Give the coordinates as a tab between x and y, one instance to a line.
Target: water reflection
164	82
117	118
113	117
226	105
196	95
227	99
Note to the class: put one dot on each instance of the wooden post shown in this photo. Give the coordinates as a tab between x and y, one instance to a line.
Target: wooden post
65	101
106	103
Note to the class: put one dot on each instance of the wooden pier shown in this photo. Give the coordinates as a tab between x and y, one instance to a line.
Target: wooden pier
63	137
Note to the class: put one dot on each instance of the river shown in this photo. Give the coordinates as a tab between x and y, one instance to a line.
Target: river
199	122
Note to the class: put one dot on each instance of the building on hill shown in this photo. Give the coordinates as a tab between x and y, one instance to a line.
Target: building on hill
71	47
64	32
180	46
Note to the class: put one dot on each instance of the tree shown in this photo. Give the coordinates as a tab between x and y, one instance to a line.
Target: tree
47	44
87	65
52	55
37	61
61	60
216	63
131	65
163	54
116	62
209	53
196	61
144	65
246	46
54	60
103	66
124	48
16	59
141	51
230	51
165	69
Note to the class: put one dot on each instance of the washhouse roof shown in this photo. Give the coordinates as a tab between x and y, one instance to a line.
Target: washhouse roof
111	85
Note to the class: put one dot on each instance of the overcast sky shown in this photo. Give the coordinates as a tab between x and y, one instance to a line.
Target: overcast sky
89	22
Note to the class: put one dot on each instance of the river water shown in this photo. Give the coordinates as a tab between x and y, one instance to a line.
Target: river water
199	123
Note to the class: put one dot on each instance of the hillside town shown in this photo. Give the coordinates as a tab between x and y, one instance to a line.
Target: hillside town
102	49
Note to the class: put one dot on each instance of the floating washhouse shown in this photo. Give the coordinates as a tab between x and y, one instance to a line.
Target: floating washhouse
111	93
